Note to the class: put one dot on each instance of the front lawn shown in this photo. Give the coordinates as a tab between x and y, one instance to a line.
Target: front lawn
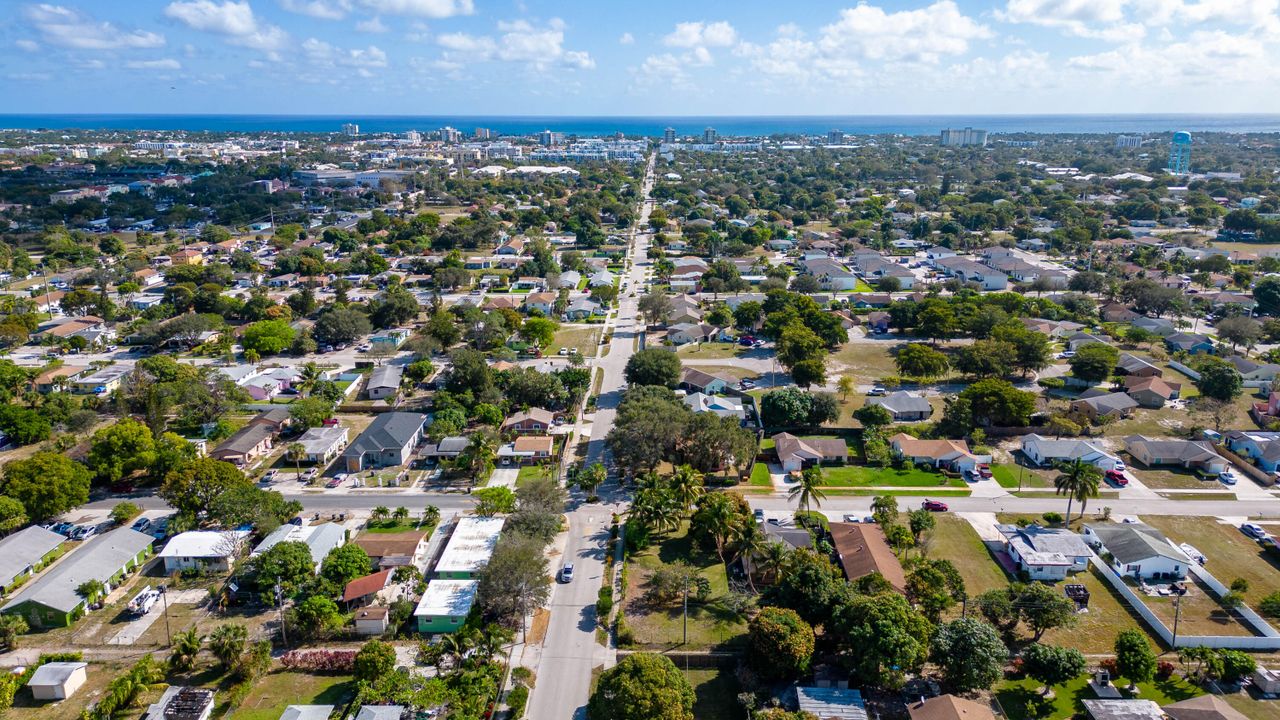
715	693
411	524
532	472
1015	476
865	476
711	350
954	539
1014	696
760	475
276	691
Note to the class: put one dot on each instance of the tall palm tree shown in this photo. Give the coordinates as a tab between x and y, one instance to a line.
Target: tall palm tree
808	489
687	486
773	558
655	508
296	452
719	517
1078	481
749	542
479	456
186	647
309	376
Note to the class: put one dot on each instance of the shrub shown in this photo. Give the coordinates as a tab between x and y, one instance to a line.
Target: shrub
604	604
1270	605
1051	383
522	676
625	635
321	660
516	700
1164	670
1052	518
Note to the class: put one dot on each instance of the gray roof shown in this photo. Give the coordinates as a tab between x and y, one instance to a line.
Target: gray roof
388	431
828	703
99	559
386	376
1135	542
24	549
245	439
1123	710
1109	403
380	712
901	401
306	712
1132	363
319	539
318	440
451	444
1049	540
54	674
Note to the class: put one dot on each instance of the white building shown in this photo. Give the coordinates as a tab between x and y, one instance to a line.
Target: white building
203	550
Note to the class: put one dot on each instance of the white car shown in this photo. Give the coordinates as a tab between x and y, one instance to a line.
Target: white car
1067	355
1192	552
1253	530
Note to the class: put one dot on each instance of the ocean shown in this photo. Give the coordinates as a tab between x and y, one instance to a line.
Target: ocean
732	126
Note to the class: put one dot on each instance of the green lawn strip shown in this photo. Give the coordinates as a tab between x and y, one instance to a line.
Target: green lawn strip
1102	495
715	693
391	526
277	690
1015	695
1197	495
922	492
861	286
530	472
1008	476
864	476
760	476
955	539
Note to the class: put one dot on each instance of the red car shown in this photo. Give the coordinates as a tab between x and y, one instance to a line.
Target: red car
1117	477
984	470
934	506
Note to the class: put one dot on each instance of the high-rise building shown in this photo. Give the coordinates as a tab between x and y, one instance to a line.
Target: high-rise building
1128	141
413	137
547	138
351	129
835	137
484	134
955	137
1180	153
710	135
669	135
450	135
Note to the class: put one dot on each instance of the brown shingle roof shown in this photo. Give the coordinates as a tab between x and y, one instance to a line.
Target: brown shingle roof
534	443
862	549
379	545
950	707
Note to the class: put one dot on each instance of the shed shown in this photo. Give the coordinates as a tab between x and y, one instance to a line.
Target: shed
380	712
371	620
58	680
831	703
307	712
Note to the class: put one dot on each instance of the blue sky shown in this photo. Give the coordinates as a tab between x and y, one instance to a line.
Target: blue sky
660	57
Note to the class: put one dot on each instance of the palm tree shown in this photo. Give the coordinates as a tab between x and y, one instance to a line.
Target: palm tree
590	478
308	378
227	643
719	518
380	513
686	486
808	489
1078	481
773	558
479	456
654	508
456	645
748	543
186	647
430	515
296	452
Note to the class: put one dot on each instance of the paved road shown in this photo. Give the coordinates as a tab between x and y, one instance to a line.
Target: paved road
834	507
570	650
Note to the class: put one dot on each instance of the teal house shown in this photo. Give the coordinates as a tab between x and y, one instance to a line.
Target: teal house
445	605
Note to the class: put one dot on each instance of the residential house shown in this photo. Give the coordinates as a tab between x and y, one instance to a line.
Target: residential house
684	310
904	406
276	418
1104	404
695	380
685	333
187	257
204	550
1045	553
447	449
514	246
527	449
104	381
1075	341
320	539
937	252
25	552
246	445
533	420
543	302
968	271
363	590
469	548
1151	392
179	702
1250	370
1262	447
1117	313
949	707
601	277
1197	455
1043	451
391	550
1158	326
60	377
51	600
384	382
322	444
1133	366
1124	709
1137	550
722	405
863	301
570	279
307	712
796	454
529	283
388	441
862	550
830	274
1190	343
1205	707
502	302
445	605
878	321
950	454
583	308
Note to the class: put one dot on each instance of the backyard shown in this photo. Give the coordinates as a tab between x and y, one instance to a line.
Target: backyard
715	693
1229	553
711	350
1014	696
1198	612
277	690
712	623
866	362
1169	477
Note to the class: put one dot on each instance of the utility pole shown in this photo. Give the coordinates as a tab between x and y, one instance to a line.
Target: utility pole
284	635
1177	612
164	595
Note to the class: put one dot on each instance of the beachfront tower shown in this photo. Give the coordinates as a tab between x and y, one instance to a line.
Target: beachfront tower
1180	153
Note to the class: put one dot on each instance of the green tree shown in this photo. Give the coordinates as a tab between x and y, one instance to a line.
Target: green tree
1052	664
995	402
653	366
288	564
970	653
780	644
1094	362
267	337
494	501
344	564
1135	660
516	581
374	660
1219	379
1041	608
316	616
341	325
655	308
227	643
12	514
186	648
310	412
920	521
873	416
788	407
642	686
541	331
121	449
920	360
11	626
881	638
808	489
196	487
591	477
124	512
1078	480
47	484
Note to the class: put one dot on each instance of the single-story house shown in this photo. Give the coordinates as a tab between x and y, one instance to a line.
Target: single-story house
103	382
1190	343
57	680
363	589
796	454
322	444
384	382
1152	392
24	551
878	321
1160	326
445	605
245	446
1137	550
214	550
528	449
1204	707
276	418
904	406
533	420
1122	710
685	333
388	441
831	703
951	454
722	405
1250	370
51	599
57	378
448	448
370	620
1263	447
949	707
1043	451
180	702
393	549
1132	365
583	308
862	550
1045	553
320	539
1111	404
1117	313
695	380
469	548
1196	455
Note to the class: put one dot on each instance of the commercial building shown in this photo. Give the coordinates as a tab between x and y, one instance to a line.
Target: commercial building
965	137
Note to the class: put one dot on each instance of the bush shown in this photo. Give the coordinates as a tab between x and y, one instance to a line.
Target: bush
516	700
320	660
604	604
1052	518
1164	670
1051	383
522	676
1270	605
625	635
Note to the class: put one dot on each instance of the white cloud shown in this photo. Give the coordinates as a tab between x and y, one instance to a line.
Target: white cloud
233	20
663	70
1240	12
1210	58
28	45
627	39
70	28
1097	19
323	54
29	77
372	25
922	35
702	34
163	64
322	9
421	8
519	41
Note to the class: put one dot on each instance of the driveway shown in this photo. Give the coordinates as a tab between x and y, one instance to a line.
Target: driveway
504	477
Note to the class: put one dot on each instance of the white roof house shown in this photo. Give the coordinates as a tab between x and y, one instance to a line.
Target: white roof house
445	605
320	539
57	680
469	548
722	405
1042	451
203	548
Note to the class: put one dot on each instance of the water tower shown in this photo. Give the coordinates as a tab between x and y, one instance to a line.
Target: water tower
1180	153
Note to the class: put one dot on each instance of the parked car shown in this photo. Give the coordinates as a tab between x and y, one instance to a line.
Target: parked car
1227	477
1119	466
877	391
984	470
1116	477
747	384
566	573
934	505
269	476
758	514
83	532
1253	530
140	525
63	528
971	475
335	482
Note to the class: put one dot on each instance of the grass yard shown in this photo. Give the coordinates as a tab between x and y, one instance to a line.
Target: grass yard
586	338
711	624
920	492
1229	552
1014	696
1095	631
955	540
864	476
715	693
532	472
865	362
1008	476
397	526
1170	478
277	690
711	351
760	476
1200	614
861	286
100	675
